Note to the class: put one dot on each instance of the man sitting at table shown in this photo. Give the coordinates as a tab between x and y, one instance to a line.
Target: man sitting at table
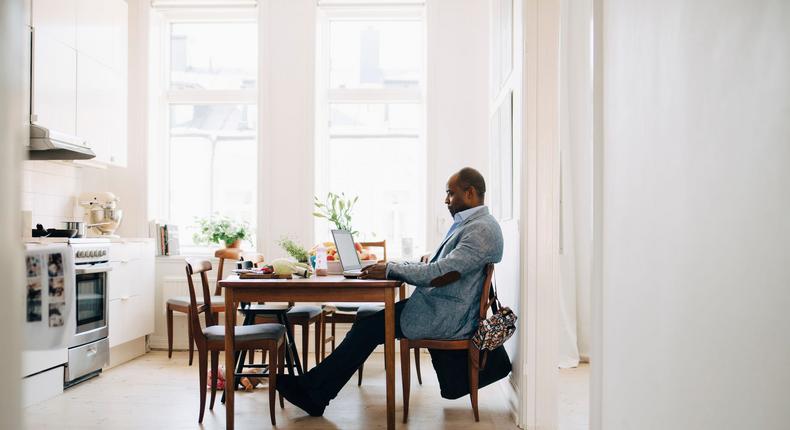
444	305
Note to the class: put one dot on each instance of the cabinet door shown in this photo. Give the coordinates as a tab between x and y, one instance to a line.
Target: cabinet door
101	31
54	85
56	20
96	109
117	92
118	279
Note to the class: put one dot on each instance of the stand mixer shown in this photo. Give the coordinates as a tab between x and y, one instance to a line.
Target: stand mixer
102	215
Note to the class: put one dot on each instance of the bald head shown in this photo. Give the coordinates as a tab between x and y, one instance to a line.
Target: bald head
469	177
465	189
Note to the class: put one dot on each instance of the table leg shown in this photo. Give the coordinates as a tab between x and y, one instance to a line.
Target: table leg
389	353
230	386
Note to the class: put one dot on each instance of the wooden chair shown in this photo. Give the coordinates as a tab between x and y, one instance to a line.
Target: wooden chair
473	353
181	303
335	313
268	337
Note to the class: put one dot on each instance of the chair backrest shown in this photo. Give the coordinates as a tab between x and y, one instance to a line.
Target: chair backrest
199	266
486	298
256	258
223	254
380	244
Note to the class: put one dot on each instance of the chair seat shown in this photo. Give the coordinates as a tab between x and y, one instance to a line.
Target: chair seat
258	310
304	311
247	333
367	309
184	301
352	307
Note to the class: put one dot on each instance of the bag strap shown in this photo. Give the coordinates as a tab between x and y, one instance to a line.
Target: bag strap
496	305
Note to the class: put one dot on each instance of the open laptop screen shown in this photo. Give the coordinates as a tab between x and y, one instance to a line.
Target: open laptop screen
344	243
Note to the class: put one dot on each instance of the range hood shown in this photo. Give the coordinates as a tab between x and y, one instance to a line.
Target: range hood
46	144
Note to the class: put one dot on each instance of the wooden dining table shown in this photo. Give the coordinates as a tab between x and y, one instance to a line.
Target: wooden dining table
333	288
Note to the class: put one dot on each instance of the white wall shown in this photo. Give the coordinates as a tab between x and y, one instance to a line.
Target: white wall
456	100
13	138
49	190
695	225
287	115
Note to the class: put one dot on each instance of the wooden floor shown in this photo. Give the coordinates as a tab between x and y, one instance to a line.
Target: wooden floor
574	398
152	392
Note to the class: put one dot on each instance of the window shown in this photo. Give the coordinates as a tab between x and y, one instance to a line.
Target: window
370	121
207	150
503	85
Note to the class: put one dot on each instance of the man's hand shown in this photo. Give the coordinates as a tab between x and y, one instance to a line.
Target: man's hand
375	271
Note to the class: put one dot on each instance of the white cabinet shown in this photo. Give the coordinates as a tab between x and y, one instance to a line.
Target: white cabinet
101	109
101	28
131	291
94	109
80	72
116	138
56	20
101	77
54	84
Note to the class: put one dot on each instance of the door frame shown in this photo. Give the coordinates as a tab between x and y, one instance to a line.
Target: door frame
540	214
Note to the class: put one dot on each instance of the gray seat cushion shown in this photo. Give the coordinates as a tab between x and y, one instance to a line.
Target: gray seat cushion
368	309
354	307
247	332
257	307
304	311
184	300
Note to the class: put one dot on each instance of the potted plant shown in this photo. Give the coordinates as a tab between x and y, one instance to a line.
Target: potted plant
222	230
293	249
336	209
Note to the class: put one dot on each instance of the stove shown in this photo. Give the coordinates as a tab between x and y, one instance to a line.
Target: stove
88	325
69	240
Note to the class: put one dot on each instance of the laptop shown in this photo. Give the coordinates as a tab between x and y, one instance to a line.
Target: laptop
344	242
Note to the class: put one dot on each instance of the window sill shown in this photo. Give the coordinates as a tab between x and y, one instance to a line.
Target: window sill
197	252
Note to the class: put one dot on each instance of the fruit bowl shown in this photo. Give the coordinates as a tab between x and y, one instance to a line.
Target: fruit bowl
334	268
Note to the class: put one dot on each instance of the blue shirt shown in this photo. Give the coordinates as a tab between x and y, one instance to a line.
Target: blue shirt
460	217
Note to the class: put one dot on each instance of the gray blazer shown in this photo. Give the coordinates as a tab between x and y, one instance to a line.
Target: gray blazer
451	311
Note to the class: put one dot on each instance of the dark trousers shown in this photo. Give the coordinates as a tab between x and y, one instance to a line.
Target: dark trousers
325	380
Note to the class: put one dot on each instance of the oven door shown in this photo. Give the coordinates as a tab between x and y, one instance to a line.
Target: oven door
91	304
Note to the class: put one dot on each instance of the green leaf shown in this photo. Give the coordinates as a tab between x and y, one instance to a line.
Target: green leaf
319	215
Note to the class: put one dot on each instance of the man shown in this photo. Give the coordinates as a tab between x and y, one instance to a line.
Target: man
445	304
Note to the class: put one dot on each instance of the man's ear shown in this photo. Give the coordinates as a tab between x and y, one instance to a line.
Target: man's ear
471	194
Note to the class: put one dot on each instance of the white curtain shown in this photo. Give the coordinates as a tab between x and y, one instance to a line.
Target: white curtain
575	182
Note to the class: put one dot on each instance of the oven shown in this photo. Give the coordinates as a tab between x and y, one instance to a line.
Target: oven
89	347
91	303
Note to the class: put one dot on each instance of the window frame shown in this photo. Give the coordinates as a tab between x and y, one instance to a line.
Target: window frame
325	96
503	84
163	97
